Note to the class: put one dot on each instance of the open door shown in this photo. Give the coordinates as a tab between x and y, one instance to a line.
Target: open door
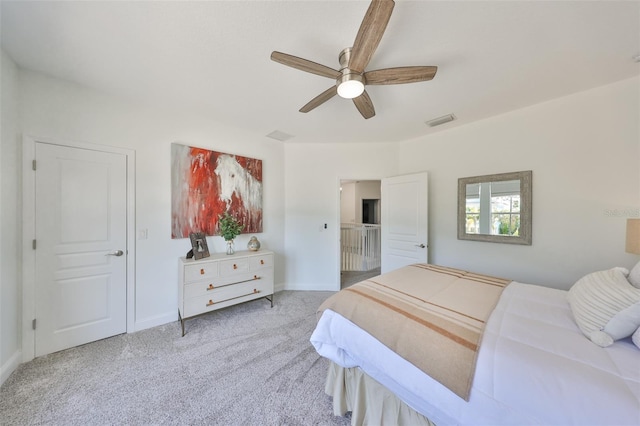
404	221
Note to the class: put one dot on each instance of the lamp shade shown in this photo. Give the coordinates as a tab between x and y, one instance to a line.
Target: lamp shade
633	236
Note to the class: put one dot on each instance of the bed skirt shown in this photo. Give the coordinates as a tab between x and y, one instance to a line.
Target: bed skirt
370	403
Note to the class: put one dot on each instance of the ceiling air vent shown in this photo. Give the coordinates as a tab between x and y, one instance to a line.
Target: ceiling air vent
279	136
440	120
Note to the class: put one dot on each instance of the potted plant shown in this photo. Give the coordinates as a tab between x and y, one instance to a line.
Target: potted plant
230	228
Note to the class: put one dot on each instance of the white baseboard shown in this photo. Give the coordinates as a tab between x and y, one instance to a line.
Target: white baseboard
10	366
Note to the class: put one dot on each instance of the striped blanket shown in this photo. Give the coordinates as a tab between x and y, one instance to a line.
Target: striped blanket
432	316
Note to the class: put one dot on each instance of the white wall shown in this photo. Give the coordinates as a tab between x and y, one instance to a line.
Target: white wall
10	300
347	202
584	153
62	111
312	197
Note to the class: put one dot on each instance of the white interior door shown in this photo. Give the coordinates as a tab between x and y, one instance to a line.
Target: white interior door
80	256
404	221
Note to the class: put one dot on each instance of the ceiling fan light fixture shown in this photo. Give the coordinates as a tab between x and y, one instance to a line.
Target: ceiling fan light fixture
352	76
350	85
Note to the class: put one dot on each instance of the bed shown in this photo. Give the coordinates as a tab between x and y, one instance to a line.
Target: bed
533	363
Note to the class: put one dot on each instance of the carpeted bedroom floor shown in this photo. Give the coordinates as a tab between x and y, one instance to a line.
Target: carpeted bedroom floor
245	365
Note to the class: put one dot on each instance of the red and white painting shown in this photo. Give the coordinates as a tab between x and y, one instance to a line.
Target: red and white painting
205	184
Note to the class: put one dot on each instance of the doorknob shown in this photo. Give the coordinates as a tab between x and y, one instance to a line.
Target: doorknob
420	245
116	253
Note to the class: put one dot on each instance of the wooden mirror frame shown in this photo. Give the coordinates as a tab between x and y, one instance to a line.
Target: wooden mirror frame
524	234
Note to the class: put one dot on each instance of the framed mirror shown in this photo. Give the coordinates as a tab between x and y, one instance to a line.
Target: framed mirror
495	208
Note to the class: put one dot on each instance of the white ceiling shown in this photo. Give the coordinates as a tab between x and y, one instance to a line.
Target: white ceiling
492	57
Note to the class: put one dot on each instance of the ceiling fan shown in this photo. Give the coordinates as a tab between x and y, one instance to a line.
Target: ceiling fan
352	77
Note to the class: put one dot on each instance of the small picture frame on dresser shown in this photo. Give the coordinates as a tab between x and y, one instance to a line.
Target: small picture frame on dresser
199	245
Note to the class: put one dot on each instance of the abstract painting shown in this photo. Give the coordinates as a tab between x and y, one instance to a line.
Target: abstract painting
205	184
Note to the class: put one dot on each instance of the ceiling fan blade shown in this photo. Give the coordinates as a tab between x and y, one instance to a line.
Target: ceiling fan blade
370	33
320	99
364	105
400	75
304	65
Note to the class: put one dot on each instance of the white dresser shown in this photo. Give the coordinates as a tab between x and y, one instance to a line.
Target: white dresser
223	280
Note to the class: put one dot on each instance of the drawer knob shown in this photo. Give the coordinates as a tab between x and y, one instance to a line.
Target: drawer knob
210	287
235	266
210	302
255	277
255	290
202	271
262	261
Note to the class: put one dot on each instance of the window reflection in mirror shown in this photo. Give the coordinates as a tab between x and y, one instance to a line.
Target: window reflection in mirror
501	216
495	208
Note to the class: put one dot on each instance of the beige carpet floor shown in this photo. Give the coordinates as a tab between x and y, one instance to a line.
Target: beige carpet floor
249	364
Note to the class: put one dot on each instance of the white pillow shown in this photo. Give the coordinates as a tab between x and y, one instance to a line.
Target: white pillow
605	306
620	326
635	338
634	276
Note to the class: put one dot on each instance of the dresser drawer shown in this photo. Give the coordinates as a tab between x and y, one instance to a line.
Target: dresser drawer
258	262
200	271
226	296
209	286
234	266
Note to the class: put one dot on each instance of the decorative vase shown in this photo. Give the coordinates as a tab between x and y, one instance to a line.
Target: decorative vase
230	249
253	244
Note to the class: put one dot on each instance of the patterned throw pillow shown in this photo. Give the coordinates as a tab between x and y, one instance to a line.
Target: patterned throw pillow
605	306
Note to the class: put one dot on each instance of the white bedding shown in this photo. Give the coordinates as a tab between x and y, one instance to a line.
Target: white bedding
534	367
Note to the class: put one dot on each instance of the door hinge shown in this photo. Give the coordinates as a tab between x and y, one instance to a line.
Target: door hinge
33	164
33	324
33	244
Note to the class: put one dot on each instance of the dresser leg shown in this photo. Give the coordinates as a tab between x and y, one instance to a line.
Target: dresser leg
181	322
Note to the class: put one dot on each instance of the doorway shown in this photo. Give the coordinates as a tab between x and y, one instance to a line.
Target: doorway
360	230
